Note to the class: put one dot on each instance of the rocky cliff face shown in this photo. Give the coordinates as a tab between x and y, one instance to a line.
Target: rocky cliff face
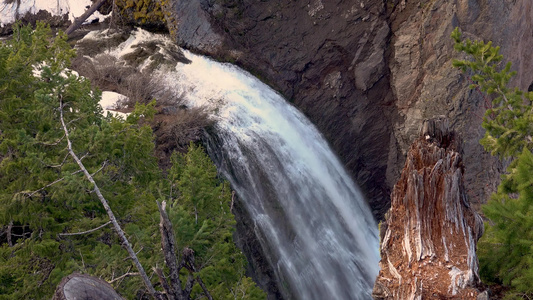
429	239
367	72
327	57
425	84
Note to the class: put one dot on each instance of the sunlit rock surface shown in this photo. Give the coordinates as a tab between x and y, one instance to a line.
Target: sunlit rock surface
429	239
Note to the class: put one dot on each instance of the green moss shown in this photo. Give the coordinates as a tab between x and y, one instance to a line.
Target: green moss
141	12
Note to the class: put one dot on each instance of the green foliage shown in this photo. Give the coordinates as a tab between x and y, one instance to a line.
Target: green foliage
506	249
509	122
43	194
201	215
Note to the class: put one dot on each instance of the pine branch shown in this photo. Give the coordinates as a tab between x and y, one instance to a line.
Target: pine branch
107	208
87	231
50	184
63	178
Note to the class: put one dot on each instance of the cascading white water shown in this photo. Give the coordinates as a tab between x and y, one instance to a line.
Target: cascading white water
305	207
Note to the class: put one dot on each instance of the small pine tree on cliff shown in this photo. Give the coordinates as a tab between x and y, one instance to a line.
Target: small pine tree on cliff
506	250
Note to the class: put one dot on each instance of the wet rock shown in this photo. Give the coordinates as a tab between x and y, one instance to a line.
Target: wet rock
428	249
327	57
368	72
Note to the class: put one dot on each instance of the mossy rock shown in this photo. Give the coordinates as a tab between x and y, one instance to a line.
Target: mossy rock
143	13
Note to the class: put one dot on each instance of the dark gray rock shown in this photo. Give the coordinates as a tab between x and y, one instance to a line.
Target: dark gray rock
426	85
327	57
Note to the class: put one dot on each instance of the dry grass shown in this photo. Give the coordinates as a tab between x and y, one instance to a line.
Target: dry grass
174	125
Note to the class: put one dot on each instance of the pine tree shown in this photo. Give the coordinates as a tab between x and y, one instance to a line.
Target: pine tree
45	199
201	211
506	249
44	194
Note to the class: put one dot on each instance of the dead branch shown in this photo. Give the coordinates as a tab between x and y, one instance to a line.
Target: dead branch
53	143
9	228
107	208
79	21
61	179
50	184
206	292
168	244
124	276
232	200
188	287
164	283
87	231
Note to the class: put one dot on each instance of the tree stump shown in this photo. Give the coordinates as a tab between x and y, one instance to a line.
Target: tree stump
84	287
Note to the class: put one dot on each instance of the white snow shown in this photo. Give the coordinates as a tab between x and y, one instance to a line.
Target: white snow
109	101
74	8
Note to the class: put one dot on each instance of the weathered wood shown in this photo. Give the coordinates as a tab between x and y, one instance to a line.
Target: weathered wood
428	245
204	288
84	287
168	244
87	231
79	20
8	232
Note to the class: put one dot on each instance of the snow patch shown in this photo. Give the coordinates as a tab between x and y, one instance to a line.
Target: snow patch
74	8
109	102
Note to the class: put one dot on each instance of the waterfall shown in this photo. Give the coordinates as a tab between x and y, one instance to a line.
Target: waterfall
320	234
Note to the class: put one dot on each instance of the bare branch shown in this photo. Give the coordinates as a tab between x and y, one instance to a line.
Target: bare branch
53	143
164	283
87	231
62	162
50	184
204	288
63	178
107	208
232	200
9	228
124	276
168	244
79	21
188	287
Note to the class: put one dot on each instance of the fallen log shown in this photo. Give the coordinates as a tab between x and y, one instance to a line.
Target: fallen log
79	20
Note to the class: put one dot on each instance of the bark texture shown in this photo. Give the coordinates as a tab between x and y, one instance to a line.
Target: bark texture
429	239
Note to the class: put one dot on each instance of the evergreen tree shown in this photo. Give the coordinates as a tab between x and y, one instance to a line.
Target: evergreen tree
45	199
506	249
200	210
